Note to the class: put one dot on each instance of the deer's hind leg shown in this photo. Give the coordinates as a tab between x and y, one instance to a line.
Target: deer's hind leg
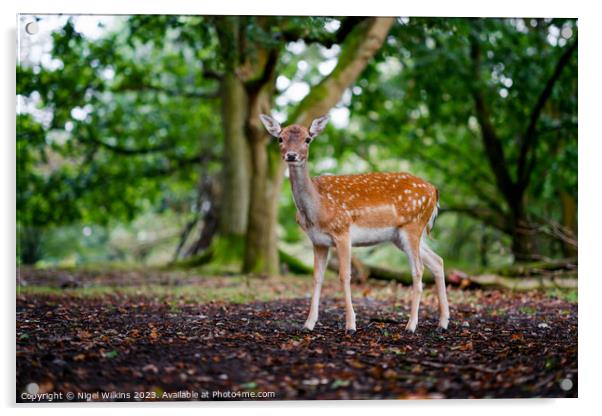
409	241
435	264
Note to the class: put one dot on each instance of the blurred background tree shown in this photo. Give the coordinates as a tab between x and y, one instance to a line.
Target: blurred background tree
490	106
143	143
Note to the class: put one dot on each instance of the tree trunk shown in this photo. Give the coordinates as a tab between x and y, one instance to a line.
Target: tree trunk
237	165
569	221
30	244
261	252
523	243
210	218
261	248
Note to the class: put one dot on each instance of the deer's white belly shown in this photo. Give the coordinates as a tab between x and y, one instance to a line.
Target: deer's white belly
359	236
363	236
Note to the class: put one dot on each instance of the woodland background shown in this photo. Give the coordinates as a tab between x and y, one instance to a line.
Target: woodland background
139	142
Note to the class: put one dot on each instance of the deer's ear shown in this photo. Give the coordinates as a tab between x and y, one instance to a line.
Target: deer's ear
271	125
317	126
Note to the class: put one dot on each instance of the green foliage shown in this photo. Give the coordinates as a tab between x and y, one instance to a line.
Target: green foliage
129	124
417	102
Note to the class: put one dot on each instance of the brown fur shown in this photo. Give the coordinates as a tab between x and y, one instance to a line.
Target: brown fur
375	200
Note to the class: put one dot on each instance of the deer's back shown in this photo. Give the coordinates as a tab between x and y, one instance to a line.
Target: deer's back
377	199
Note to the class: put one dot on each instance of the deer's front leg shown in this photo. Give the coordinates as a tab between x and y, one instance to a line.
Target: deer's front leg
343	245
320	256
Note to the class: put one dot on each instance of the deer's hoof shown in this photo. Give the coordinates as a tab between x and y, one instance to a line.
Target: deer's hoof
350	331
441	330
309	326
443	323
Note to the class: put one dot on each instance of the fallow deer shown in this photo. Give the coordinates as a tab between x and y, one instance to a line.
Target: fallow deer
360	210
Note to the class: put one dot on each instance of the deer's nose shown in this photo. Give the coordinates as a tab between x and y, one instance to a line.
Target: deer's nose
290	156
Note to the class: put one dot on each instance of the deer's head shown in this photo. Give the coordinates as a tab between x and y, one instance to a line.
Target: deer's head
294	140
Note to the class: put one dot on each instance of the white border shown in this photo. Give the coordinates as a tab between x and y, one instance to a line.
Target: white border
590	70
507	8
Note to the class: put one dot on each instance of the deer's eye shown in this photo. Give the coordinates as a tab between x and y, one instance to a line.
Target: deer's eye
308	140
280	140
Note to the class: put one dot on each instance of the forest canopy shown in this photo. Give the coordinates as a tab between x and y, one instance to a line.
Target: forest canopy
141	142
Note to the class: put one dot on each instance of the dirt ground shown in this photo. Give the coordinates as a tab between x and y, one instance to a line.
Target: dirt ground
117	344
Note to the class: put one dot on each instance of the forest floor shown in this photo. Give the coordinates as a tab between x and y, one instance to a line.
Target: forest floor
156	335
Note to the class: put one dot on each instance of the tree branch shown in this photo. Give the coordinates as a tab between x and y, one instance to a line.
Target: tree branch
253	86
530	136
493	146
127	151
360	45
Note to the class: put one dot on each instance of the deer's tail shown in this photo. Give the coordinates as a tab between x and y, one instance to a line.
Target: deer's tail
433	217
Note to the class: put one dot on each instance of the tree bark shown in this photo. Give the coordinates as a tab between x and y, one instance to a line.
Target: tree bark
569	221
237	165
210	218
261	245
236	161
523	242
261	250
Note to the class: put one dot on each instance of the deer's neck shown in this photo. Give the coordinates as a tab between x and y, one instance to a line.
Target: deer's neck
305	193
